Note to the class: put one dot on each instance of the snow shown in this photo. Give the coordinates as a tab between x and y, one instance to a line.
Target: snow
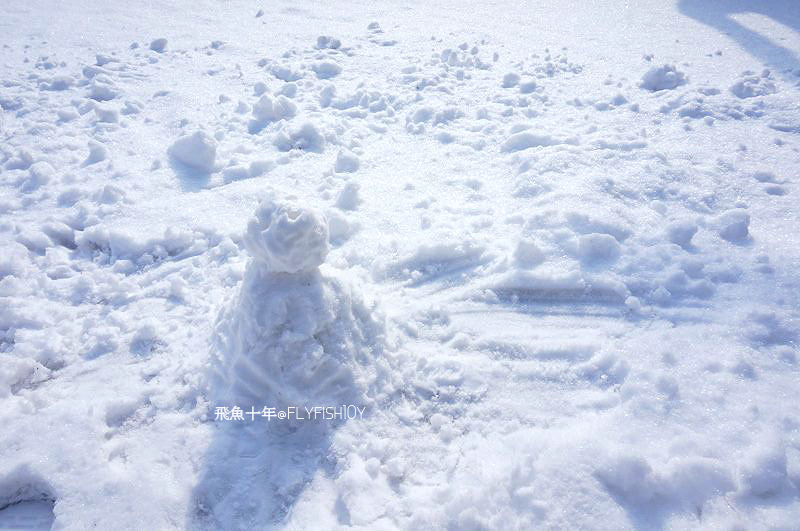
511	79
348	197
320	340
326	69
197	151
346	162
304	136
733	225
287	238
664	77
267	110
554	259
598	247
158	45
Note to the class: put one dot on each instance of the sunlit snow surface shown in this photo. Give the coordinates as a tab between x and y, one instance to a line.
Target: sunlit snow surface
561	268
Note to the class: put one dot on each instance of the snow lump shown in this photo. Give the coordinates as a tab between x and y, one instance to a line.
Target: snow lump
197	151
663	78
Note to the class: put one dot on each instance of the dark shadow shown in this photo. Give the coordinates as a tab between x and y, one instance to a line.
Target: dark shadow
254	472
717	14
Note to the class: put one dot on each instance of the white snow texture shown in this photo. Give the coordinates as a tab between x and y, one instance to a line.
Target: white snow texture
545	253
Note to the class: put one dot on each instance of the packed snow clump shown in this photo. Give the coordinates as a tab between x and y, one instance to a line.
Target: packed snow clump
346	162
751	85
287	239
197	151
269	110
158	45
663	78
294	335
326	69
733	225
326	42
305	137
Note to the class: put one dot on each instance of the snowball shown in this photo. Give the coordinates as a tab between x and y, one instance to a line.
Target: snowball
102	91
106	114
527	86
326	69
510	80
287	238
267	110
348	197
423	114
662	78
284	73
259	88
288	89
598	248
305	137
97	153
197	151
338	225
681	233
323	42
733	225
633	304
346	162
158	45
528	254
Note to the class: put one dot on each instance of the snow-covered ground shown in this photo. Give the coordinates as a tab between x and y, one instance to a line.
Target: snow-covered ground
551	247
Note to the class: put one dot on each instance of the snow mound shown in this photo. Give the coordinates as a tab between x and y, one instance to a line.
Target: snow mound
294	335
664	77
197	151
